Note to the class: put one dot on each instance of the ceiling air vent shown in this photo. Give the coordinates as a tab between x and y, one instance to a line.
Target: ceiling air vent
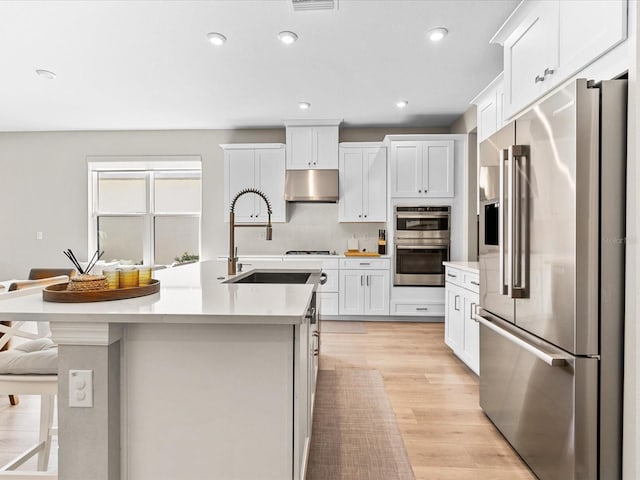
309	5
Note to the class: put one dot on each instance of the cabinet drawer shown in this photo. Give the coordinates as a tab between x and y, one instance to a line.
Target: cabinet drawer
471	281
455	276
418	309
364	264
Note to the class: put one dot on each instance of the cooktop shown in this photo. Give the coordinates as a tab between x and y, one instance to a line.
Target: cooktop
308	252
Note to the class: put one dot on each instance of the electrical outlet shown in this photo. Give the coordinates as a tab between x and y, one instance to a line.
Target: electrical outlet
81	388
39	236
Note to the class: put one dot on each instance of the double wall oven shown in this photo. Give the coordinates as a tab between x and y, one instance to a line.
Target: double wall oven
422	239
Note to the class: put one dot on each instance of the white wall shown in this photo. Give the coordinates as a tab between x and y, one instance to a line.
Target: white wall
43	187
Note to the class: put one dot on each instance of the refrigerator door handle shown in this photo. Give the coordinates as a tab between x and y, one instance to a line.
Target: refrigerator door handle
550	359
502	224
518	221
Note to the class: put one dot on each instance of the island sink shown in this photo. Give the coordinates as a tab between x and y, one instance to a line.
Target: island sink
273	277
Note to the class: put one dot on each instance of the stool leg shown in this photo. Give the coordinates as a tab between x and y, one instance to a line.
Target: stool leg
46	424
14	400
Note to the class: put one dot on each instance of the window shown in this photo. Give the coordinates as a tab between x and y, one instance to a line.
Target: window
145	211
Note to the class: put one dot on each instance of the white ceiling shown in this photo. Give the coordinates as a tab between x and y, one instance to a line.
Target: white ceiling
129	65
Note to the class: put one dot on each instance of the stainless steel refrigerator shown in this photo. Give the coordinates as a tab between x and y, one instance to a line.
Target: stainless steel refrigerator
552	207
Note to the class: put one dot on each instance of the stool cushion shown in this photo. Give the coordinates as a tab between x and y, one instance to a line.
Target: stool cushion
33	357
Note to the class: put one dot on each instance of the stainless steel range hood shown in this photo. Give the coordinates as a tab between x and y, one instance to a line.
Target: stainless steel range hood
311	186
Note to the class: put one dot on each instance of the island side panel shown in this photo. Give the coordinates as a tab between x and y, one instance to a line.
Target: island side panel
89	438
208	401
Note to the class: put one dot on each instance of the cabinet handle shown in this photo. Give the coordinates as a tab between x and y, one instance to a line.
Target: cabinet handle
316	352
422	309
452	275
367	280
364	264
315	163
473	282
548	71
359	216
419	191
316	334
365	215
539	79
362	280
471	312
309	163
455	303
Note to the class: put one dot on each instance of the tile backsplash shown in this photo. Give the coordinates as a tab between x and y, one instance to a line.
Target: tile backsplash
311	226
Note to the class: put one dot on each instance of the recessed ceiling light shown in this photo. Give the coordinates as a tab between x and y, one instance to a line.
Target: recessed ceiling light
287	37
437	34
216	38
46	74
402	103
304	105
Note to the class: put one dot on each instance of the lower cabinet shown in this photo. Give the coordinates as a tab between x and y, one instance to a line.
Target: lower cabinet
365	290
461	331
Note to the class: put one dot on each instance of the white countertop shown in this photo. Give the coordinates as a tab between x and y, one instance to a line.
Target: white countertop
473	267
191	293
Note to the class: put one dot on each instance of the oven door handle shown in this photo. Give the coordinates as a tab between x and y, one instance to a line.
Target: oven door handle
427	215
421	247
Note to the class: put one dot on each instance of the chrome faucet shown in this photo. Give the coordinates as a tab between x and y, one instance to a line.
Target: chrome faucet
233	251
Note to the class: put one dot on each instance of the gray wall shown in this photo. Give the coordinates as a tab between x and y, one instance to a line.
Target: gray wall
43	188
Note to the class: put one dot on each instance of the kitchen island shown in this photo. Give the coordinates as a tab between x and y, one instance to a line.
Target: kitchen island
202	380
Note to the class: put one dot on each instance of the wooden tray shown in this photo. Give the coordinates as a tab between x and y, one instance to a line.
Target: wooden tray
351	253
59	293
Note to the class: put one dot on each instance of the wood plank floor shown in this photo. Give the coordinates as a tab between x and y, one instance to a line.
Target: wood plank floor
435	400
434	397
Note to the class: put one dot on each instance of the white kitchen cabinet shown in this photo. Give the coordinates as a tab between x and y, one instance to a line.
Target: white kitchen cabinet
312	146
454	317
461	331
364	287
258	166
422	169
363	183
547	41
489	103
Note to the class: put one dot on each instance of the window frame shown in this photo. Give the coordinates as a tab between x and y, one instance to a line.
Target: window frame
149	165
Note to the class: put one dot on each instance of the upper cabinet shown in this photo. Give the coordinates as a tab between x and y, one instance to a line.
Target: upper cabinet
422	168
547	41
363	183
259	166
489	104
312	144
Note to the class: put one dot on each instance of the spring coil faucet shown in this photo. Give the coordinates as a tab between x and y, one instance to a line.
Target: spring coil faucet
233	251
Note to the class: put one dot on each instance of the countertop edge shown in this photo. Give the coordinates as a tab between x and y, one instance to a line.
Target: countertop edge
473	267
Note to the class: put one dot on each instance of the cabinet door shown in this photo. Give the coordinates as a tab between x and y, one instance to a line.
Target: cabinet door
240	173
351	185
437	169
532	49
487	117
376	301
471	335
325	147
270	179
300	144
406	169
374	184
589	28
453	320
352	292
